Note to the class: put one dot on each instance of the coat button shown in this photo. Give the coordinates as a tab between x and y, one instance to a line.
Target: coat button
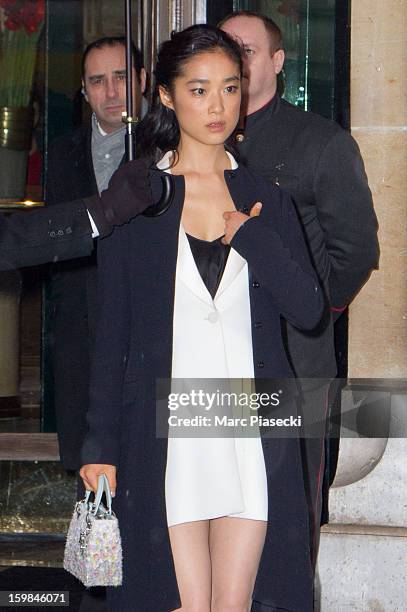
213	317
245	210
60	232
255	284
68	230
258	325
260	364
52	234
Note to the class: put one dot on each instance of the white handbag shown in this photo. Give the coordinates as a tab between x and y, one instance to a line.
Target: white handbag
93	550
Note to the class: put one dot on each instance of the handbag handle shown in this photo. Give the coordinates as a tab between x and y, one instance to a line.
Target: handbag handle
103	487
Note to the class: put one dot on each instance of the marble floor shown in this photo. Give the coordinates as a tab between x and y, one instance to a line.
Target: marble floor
31	552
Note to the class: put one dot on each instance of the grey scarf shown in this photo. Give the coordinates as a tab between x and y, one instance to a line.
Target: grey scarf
107	153
108	150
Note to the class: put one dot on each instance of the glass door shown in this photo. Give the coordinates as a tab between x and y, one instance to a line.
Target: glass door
316	36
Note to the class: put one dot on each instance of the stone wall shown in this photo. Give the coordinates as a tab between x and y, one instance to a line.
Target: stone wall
378	316
363	554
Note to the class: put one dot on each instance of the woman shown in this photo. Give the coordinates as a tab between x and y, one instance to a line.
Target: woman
199	292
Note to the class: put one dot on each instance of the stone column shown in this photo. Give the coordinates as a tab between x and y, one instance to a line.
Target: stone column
363	553
378	316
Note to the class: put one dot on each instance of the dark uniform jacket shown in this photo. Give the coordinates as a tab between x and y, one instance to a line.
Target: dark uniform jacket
136	269
72	297
320	165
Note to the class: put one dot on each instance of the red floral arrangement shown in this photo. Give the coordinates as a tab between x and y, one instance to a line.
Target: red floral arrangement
27	14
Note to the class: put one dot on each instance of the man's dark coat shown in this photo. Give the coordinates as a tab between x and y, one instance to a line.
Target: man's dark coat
137	265
32	237
72	300
320	165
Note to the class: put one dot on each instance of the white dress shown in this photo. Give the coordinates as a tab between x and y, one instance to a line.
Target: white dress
213	477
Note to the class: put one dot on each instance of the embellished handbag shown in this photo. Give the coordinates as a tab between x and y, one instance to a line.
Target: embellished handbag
93	550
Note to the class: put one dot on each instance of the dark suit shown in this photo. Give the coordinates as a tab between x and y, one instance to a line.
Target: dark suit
31	237
136	269
72	301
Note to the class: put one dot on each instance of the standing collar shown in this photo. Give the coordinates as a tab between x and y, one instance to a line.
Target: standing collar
241	183
268	109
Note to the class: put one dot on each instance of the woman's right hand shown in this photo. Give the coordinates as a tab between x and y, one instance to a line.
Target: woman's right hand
234	220
90	475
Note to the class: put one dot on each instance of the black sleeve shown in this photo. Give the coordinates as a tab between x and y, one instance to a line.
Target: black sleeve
102	443
345	212
59	231
276	253
49	234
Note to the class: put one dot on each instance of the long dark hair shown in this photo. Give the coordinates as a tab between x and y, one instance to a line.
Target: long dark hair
159	128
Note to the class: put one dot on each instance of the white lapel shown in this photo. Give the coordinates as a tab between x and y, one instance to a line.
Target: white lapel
234	266
235	262
187	270
186	266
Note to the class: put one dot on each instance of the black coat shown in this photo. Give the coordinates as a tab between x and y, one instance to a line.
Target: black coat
31	237
320	165
72	297
133	348
313	158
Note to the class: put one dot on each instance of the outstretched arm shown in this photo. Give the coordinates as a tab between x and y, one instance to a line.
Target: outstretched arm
29	238
64	231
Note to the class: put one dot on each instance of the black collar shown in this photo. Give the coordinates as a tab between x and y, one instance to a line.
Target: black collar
240	182
268	109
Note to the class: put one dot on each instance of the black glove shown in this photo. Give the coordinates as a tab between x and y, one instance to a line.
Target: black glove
128	195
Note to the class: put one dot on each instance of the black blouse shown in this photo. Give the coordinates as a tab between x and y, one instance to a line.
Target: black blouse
210	259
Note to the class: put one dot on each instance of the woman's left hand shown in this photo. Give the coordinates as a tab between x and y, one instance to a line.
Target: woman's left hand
234	220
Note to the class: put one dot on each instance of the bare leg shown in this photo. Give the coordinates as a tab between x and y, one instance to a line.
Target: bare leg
236	546
190	551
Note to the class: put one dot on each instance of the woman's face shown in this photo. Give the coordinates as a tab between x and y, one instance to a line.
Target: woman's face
206	98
